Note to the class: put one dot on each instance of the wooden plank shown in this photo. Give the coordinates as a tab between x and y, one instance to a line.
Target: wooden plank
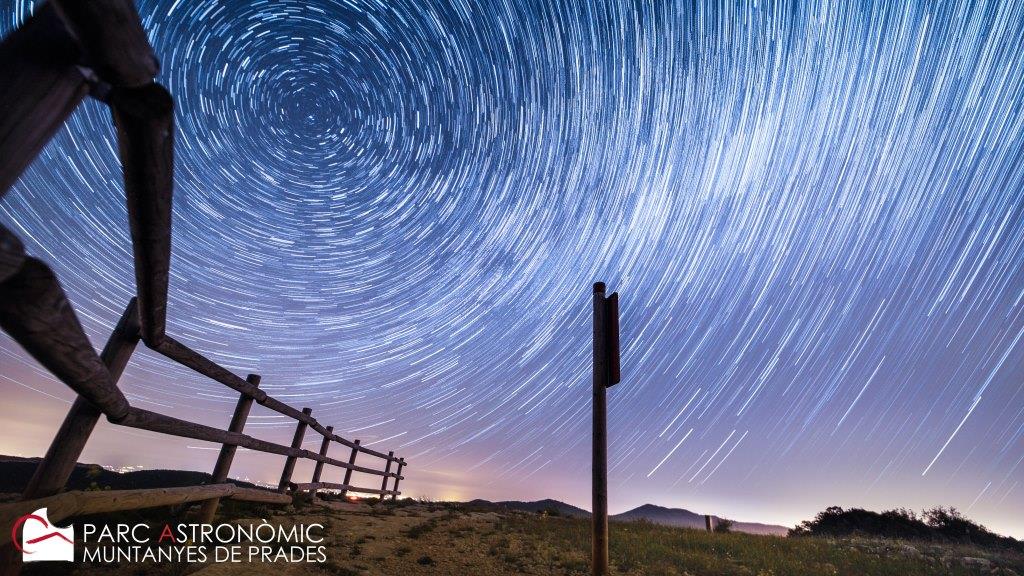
37	314
115	43
363	449
79	503
184	355
260	495
156	422
53	471
144	118
311	486
282	408
42	86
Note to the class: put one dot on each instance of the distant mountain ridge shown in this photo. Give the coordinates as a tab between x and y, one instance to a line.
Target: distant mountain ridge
16	471
562	508
685	519
678	517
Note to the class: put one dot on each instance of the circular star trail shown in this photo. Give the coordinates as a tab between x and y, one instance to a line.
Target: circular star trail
394	211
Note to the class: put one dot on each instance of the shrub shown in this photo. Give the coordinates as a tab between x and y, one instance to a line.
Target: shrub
937	524
724	526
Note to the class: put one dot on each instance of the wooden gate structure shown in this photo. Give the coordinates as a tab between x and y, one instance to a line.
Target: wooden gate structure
67	50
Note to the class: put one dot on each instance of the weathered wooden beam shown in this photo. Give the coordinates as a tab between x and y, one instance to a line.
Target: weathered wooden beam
282	408
53	471
114	42
227	451
343	487
324	446
351	465
260	495
42	86
80	503
37	314
363	449
289	464
12	253
156	422
387	470
395	492
184	355
144	118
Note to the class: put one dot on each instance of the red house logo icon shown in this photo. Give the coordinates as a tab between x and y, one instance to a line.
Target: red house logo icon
41	540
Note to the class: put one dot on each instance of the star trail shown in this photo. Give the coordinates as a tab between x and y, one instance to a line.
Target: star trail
394	211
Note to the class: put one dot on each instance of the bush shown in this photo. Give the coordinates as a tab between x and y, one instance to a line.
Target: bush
724	526
937	524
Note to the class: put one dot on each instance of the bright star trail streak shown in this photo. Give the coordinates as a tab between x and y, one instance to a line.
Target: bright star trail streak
394	212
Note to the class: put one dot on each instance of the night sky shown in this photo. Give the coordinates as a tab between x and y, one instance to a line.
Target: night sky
394	212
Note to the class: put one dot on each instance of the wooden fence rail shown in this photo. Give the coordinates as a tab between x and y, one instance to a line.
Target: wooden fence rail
63	52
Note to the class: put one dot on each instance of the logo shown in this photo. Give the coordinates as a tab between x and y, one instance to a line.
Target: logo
40	540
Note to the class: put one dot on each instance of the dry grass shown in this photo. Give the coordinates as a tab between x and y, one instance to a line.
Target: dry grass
432	539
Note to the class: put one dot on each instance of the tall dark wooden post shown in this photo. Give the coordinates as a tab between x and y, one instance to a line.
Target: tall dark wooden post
54	470
289	464
227	451
599	489
398	478
387	470
606	374
348	471
319	468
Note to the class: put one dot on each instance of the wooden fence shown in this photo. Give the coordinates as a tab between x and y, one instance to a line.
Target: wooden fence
67	50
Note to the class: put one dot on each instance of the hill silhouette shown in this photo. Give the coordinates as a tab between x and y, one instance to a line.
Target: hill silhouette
682	518
677	517
15	473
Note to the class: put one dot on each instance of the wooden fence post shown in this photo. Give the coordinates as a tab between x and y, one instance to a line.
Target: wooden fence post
599	461
42	86
227	451
289	464
53	471
709	523
36	313
348	471
55	468
384	482
319	468
401	463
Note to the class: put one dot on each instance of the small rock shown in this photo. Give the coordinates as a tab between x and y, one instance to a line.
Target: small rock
908	550
972	562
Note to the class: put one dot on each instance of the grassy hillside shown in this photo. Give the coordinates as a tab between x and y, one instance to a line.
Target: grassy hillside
430	539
